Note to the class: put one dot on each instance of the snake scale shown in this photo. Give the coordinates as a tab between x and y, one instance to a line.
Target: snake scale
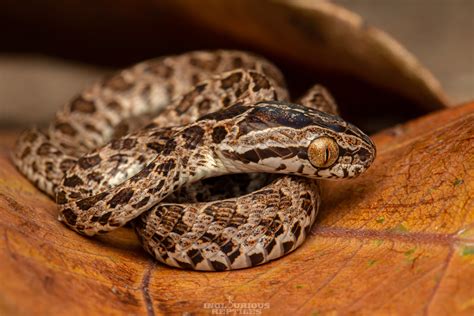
202	152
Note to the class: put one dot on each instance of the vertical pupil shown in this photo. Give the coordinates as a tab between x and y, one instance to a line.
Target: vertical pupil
327	154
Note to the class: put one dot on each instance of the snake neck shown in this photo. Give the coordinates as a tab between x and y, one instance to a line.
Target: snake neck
182	159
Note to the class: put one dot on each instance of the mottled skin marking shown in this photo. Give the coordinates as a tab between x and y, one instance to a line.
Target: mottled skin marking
160	70
25	152
88	162
101	183
69	216
261	82
229	81
187	101
123	143
87	203
66	128
95	177
118	83
114	106
218	134
72	181
82	105
193	137
45	149
122	197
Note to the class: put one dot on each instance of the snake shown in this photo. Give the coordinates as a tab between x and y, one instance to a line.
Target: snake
203	153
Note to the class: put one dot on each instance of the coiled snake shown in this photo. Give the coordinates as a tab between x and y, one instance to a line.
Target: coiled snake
209	114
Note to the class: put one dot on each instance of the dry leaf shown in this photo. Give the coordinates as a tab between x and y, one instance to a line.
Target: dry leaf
399	239
320	35
309	38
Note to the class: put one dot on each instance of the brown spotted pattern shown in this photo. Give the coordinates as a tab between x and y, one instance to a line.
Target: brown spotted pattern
135	146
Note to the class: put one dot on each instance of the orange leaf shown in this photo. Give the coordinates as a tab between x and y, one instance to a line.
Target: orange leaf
399	239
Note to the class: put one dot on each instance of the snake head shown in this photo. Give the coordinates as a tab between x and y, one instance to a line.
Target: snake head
281	137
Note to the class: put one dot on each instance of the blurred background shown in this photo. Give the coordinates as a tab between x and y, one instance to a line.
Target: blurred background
439	32
51	49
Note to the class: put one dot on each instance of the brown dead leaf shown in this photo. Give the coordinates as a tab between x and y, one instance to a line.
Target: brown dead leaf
321	36
399	239
369	73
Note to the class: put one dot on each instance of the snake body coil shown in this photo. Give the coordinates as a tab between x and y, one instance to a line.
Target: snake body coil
208	114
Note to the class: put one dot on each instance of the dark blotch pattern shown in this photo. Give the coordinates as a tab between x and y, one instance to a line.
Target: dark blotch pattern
218	134
184	265
260	81
237	62
157	188
91	128
25	152
122	197
307	205
89	162
193	137
234	255
89	202
251	155
73	181
226	101
256	258
61	197
69	216
169	147
66	129
287	246
45	149
165	167
187	101
195	255
296	230
218	266
104	218
201	87
123	143
30	137
228	247
204	105
229	81
161	70
143	173
141	203
256	155
155	146
81	105
241	89
118	83
114	106
95	176
270	246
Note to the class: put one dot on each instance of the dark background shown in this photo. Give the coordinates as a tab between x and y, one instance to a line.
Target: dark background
51	49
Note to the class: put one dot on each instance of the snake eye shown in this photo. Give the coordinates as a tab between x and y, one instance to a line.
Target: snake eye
323	152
